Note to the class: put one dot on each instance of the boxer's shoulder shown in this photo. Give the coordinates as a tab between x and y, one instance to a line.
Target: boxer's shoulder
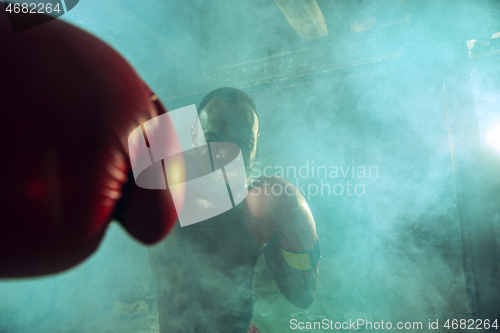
272	191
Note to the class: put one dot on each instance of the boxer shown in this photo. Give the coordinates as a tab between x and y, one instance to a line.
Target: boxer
204	271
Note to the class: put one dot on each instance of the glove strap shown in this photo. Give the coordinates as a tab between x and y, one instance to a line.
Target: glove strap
304	261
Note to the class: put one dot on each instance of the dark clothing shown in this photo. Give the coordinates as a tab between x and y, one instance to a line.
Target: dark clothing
204	273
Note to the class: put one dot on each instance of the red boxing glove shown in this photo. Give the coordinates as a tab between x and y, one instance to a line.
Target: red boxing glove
69	102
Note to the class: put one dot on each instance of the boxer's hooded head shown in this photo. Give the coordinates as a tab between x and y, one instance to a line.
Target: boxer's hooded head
229	115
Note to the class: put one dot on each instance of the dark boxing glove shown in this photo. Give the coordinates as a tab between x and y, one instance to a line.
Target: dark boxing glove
68	104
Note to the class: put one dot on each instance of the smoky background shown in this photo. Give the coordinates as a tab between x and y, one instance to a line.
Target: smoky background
370	92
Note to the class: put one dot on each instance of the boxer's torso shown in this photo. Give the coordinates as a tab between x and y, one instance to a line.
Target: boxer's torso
204	273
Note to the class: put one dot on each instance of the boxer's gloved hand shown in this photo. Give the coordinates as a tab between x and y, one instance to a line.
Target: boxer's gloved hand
279	216
279	207
68	104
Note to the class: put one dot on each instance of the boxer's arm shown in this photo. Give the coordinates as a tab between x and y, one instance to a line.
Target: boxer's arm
286	224
298	286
